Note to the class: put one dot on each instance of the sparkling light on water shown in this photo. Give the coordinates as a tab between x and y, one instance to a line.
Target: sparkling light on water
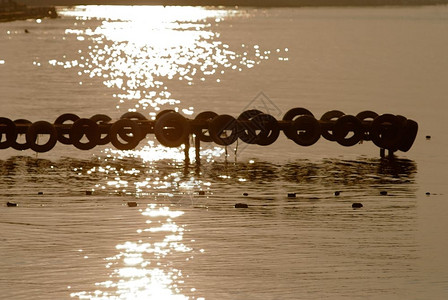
142	270
137	51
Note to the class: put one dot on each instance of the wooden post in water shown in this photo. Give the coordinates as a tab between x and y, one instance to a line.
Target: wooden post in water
197	148
390	153
187	150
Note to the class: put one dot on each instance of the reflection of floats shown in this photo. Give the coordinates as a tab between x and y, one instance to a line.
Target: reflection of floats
167	180
362	172
171	129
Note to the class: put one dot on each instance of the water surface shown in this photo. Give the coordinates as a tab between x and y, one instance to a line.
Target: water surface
61	243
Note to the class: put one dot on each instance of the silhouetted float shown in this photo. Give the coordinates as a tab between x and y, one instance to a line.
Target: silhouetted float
387	131
357	205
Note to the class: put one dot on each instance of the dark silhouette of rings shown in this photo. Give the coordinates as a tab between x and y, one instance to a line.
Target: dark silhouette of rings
9	129
327	123
224	130
296	112
131	115
266	128
342	128
387	131
40	128
63	131
128	131
102	120
366	117
409	133
304	131
161	113
246	130
21	130
135	116
293	114
172	129
202	131
88	128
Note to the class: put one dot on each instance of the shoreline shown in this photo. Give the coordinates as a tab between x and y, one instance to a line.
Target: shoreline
243	3
35	9
12	11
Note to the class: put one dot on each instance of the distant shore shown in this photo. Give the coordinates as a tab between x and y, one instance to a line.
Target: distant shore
253	3
11	10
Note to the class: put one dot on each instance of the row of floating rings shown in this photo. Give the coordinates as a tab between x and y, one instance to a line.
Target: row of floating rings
124	134
387	131
171	129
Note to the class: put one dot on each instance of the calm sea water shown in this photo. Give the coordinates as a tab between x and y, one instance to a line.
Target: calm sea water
60	243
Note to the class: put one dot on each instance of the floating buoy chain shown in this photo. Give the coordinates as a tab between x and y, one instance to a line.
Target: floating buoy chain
387	131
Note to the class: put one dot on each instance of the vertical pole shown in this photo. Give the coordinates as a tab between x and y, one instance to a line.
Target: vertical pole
390	153
382	152
187	150
197	147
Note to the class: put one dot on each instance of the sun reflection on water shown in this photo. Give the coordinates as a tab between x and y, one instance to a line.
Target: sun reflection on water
150	171
143	269
138	51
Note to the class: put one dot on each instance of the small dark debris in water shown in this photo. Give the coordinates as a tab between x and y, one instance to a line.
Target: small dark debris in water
428	193
291	195
241	205
245	194
337	193
26	31
40	193
428	137
132	204
384	193
11	204
201	193
357	205
89	193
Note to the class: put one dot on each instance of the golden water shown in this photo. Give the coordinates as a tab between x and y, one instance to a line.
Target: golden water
60	243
